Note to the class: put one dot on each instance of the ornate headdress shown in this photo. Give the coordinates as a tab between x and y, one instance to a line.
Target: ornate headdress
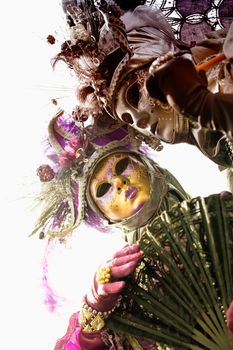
72	152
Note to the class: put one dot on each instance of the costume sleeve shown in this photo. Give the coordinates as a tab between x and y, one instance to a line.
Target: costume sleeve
187	93
76	339
213	111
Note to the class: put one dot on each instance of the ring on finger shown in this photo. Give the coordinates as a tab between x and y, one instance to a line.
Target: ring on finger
103	274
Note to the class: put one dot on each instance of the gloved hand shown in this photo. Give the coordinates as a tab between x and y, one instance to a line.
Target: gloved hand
175	81
103	297
178	83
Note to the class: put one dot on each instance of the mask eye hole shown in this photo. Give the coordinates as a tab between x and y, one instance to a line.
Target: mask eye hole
121	166
102	189
133	95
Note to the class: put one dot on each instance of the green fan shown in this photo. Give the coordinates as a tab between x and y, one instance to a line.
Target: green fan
179	294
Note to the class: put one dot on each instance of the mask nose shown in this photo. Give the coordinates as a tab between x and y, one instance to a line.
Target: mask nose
120	183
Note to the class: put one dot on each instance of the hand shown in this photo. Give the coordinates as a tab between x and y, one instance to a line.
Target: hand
186	91
176	82
103	297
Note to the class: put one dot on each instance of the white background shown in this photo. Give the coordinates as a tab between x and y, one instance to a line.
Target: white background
27	87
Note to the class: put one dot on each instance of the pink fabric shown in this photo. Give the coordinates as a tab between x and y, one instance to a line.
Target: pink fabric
70	339
230	317
230	322
76	339
71	346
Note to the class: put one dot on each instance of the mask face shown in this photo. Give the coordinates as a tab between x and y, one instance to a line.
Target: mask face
120	186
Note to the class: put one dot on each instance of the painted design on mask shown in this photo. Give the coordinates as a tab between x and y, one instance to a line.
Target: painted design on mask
120	185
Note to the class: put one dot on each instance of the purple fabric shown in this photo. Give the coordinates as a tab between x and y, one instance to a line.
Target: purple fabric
94	220
66	124
118	134
60	139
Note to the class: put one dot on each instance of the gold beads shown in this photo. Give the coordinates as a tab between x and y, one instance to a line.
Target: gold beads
103	275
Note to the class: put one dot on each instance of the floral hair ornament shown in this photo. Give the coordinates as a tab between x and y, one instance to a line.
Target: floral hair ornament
72	151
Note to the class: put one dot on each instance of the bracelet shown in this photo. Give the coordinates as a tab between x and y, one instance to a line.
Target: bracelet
92	320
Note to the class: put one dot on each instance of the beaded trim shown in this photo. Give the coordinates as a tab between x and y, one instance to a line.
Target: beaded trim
229	146
160	61
92	320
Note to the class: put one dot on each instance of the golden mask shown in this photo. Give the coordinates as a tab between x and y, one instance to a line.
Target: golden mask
120	185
